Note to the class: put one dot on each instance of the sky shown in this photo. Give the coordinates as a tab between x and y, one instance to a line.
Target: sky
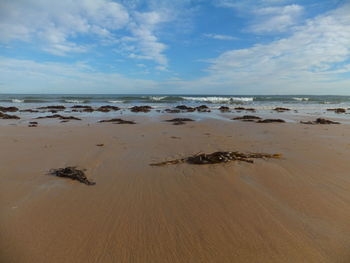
175	47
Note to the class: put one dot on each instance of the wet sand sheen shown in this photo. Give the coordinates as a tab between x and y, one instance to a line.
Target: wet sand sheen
291	210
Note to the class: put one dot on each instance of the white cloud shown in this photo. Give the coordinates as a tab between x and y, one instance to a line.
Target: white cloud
310	59
220	37
276	19
57	25
28	76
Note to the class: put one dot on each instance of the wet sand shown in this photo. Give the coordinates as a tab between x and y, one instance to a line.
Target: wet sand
294	209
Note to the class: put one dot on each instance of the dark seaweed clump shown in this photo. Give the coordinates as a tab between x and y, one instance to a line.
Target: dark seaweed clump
141	108
8	117
271	121
118	121
320	121
72	173
179	121
219	157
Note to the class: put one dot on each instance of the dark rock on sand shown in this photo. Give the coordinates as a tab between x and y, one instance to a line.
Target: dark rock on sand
118	121
8	109
185	108
219	157
172	111
203	108
271	121
108	108
245	109
8	117
247	117
224	109
29	110
281	109
320	121
53	107
179	121
141	108
337	110
58	116
72	173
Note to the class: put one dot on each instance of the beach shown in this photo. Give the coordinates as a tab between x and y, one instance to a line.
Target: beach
291	209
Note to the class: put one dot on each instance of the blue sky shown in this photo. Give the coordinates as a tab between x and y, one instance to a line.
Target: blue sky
175	47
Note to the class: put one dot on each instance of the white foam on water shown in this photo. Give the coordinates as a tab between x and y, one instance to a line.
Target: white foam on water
219	99
17	101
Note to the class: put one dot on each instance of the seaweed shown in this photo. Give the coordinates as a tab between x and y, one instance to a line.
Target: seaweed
57	116
247	117
203	108
29	110
8	109
271	121
53	107
73	173
141	108
224	109
179	121
8	117
337	110
245	109
219	157
281	109
185	108
320	121
108	108
118	121
33	124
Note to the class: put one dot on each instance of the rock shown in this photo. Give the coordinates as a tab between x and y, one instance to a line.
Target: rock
108	108
245	109
337	110
271	121
224	109
185	108
247	117
53	107
179	121
281	109
58	116
118	121
203	108
8	117
320	121
8	109
141	108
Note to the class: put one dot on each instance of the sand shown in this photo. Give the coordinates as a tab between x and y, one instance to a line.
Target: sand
294	209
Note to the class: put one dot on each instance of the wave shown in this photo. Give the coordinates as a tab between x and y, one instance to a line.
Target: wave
17	101
116	101
219	99
76	101
301	99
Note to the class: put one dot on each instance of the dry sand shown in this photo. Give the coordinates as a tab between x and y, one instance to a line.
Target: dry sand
295	209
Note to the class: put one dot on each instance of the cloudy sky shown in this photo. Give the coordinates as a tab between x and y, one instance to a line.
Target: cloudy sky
175	46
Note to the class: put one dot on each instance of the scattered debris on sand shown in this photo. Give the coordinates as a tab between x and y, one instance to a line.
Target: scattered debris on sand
8	109
72	173
118	121
185	108
337	110
224	109
203	108
33	124
219	157
8	117
320	121
141	108
53	107
271	121
100	144
245	109
247	118
108	108
179	121
58	116
281	109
